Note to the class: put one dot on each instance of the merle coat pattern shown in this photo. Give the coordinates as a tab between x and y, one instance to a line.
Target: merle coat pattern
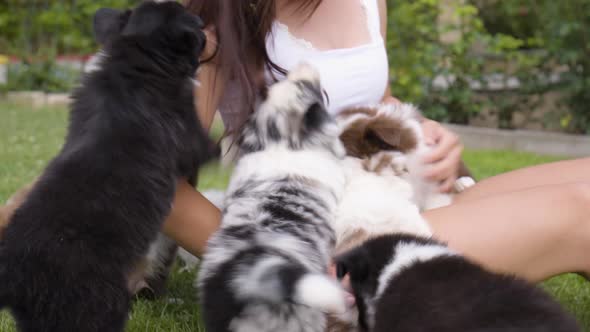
265	269
66	255
406	283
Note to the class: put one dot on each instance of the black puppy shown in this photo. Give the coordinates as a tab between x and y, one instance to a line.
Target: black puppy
66	256
405	283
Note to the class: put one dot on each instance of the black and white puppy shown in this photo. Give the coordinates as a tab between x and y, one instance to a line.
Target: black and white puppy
265	269
66	256
407	283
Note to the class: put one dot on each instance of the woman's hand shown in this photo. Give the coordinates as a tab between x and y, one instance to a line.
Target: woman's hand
445	158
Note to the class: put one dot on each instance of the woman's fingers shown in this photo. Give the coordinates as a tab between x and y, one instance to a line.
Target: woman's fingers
447	185
444	159
432	132
445	168
447	141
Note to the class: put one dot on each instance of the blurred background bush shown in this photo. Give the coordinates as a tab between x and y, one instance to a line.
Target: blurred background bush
496	63
501	63
47	41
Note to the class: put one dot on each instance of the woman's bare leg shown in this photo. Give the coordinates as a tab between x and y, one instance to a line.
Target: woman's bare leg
569	171
535	233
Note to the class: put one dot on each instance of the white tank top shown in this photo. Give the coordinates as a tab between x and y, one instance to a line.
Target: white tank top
355	76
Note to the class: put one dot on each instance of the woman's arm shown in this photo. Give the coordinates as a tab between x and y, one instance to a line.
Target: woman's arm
193	218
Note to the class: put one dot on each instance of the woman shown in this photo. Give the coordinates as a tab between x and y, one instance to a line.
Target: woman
533	222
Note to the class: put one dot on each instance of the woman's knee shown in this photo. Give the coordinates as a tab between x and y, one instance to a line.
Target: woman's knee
571	201
579	193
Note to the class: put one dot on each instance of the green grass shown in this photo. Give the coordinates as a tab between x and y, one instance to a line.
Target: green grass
28	139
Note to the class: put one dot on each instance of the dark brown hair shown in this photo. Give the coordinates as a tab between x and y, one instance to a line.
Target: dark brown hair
242	27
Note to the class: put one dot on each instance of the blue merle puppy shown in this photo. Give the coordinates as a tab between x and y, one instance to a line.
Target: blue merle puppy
68	253
404	283
265	269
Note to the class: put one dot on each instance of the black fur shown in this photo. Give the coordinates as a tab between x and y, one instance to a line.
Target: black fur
101	201
445	294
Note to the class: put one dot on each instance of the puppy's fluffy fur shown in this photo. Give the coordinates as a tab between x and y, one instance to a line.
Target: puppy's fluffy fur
147	280
265	269
388	139
382	196
376	203
407	283
68	251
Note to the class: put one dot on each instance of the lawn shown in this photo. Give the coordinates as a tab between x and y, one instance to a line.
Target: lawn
29	138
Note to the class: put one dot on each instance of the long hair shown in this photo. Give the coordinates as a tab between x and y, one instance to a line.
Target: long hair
242	27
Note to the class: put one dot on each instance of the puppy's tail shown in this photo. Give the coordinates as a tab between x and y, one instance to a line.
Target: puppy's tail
276	280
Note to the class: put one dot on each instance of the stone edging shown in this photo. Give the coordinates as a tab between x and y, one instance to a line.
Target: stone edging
539	142
38	98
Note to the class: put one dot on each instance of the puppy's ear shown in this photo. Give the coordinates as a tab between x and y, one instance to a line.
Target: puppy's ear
355	263
109	23
352	137
381	136
390	134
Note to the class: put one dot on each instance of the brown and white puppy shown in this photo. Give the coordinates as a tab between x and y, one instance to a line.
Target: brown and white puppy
389	139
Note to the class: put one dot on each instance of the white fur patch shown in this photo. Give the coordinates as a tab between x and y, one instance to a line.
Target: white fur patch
214	196
190	261
278	161
304	71
377	204
158	254
292	246
317	291
426	193
93	64
257	318
407	254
